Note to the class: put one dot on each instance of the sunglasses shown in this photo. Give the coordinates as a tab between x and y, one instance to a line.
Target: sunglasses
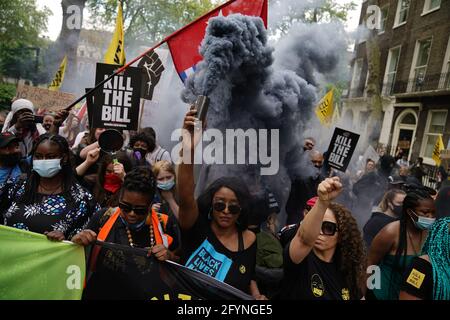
126	208
232	208
329	228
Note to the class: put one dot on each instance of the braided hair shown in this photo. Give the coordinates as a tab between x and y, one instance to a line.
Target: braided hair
30	194
437	247
411	201
141	180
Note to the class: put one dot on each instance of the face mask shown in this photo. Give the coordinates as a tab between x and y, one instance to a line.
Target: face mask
135	226
397	210
47	168
112	182
10	160
423	223
139	153
166	186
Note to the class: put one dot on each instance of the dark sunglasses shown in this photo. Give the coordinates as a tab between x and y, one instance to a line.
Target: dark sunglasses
329	228
232	208
126	208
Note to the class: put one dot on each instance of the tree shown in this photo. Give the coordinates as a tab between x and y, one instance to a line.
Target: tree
21	23
148	21
309	11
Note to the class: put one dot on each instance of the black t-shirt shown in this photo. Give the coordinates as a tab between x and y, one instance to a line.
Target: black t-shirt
377	221
418	280
312	279
202	251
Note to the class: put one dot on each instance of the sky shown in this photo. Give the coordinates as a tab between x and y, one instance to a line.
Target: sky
55	20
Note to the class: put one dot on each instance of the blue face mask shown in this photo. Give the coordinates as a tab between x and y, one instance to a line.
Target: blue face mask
166	186
423	223
135	226
47	168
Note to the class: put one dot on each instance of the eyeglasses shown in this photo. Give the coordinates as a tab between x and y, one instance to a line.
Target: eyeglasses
232	208
329	228
126	208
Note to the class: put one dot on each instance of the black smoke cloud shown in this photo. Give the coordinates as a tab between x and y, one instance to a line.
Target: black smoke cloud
248	90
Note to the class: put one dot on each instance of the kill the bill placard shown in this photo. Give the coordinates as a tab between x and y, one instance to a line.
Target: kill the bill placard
116	103
342	145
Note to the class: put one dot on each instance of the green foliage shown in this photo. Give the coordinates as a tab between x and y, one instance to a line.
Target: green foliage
147	21
7	92
20	25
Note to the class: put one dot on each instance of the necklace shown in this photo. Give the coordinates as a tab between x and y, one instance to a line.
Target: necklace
152	237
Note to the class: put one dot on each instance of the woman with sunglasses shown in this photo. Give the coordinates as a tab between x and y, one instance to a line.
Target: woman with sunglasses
132	224
325	260
214	235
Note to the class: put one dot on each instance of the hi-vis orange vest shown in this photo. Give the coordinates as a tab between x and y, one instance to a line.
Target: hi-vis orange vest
158	232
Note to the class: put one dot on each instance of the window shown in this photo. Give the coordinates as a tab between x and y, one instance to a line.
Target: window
431	5
402	12
444	82
435	126
391	71
356	79
422	54
384	16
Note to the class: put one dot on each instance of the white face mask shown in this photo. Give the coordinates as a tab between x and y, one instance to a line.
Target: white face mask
47	168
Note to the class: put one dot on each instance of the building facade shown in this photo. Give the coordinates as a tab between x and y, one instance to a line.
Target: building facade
413	37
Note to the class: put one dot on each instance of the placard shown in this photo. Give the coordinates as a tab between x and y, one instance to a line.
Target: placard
342	145
43	98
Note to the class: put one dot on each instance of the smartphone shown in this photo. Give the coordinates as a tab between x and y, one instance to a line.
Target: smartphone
202	104
38	119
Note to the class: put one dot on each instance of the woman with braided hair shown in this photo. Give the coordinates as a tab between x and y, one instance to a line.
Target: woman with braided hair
398	243
326	258
428	276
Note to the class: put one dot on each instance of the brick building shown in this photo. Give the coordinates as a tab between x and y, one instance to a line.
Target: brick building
414	41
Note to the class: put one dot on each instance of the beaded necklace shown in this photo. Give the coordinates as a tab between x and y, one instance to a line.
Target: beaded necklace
152	236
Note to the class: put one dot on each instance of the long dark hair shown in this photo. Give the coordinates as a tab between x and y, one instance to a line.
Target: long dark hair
30	194
411	201
204	201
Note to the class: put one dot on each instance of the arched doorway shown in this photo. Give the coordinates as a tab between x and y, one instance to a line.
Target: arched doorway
405	131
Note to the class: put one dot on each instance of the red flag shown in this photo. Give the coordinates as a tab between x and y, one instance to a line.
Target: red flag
184	44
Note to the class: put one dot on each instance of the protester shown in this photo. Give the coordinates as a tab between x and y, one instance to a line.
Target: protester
71	128
309	144
325	260
370	167
443	203
305	188
110	178
140	145
133	224
215	226
156	152
21	122
165	195
11	165
428	276
48	121
390	210
403	161
418	170
396	245
49	200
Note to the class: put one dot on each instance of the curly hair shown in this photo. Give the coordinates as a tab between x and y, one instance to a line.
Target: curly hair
350	250
149	141
141	180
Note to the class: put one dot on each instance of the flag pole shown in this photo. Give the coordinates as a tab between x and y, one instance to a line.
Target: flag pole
141	109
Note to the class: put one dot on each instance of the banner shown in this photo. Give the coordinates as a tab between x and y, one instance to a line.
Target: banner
325	108
116	105
128	273
342	145
437	150
34	268
184	44
59	76
116	50
44	98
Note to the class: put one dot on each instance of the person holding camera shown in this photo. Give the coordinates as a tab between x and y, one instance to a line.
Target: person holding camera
22	123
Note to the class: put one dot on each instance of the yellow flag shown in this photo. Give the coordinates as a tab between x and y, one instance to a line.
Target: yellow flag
437	150
116	50
59	76
325	108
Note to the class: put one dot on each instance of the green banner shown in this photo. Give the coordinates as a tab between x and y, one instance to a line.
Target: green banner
34	268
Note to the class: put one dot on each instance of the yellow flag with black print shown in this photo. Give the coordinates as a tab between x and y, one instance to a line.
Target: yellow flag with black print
116	49
437	150
59	76
325	109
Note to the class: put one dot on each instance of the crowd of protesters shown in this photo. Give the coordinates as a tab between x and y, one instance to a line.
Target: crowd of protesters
56	180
